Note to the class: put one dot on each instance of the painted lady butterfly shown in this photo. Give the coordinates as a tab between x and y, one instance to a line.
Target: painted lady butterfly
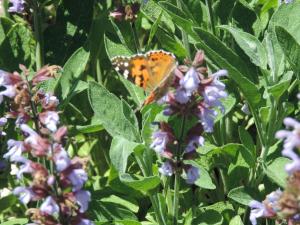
153	71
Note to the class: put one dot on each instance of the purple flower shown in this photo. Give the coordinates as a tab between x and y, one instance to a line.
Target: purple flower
292	138
182	96
166	169
3	121
194	143
258	210
291	141
49	206
215	90
25	194
192	174
190	81
25	168
285	1
50	99
10	92
82	199
16	149
245	109
85	222
207	117
17	6
61	159
77	177
160	141
33	137
50	119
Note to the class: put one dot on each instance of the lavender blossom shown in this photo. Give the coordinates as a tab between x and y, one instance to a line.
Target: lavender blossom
166	169
3	122
25	194
61	159
291	141
17	6
77	177
50	119
207	118
285	1
160	141
194	143
49	206
83	198
192	174
16	149
190	81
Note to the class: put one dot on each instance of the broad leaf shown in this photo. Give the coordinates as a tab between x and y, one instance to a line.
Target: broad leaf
115	116
250	45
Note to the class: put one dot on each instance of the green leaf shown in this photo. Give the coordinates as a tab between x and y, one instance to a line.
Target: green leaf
115	116
136	92
176	14
275	54
153	30
71	74
142	184
204	180
19	221
152	11
17	48
289	46
228	103
7	202
127	222
278	90
250	45
209	217
87	129
240	195
125	34
287	16
236	221
276	171
226	59
171	44
119	152
247	141
115	49
5	25
121	201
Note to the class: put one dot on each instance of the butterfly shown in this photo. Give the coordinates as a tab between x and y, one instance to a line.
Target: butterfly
152	71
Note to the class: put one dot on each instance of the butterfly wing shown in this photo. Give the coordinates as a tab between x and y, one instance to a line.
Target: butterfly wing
161	66
133	68
152	71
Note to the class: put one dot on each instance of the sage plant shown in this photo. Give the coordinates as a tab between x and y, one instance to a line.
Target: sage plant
50	182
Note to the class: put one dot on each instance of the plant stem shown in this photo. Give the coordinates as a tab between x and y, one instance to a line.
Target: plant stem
177	174
153	198
38	35
176	198
210	16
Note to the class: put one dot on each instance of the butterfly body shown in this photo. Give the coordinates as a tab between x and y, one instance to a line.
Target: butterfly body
152	71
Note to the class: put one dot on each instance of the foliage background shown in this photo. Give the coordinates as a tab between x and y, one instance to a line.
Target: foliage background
256	41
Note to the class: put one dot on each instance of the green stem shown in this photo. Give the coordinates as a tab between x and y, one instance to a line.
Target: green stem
177	174
210	16
153	198
38	35
176	198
